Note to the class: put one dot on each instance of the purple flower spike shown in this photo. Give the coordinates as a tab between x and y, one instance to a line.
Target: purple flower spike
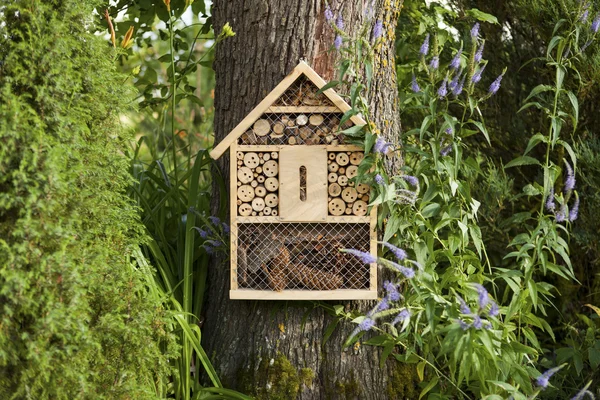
365	257
583	393
398	252
425	46
338	42
479	54
392	291
596	24
570	179
495	86
477	75
483	297
464	308
475	31
214	220
339	22
383	305
459	88
366	325
455	63
401	317
377	29
585	15
412	180
446	150
443	90
494	310
379	179
449	130
434	63
225	228
463	325
550	206
544	380
328	14
477	322
203	234
575	209
561	215
414	85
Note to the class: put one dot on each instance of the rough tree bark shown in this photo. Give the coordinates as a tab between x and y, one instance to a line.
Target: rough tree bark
275	349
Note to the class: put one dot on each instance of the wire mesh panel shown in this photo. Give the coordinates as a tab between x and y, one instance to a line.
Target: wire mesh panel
301	256
303	93
311	127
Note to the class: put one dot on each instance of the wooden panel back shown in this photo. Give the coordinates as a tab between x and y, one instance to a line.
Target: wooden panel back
292	207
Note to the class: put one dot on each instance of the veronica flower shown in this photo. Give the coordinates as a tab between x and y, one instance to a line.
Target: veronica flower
328	14
455	63
381	146
494	310
339	22
575	209
483	297
214	243
463	325
464	308
459	88
550	206
414	85
475	31
569	179
479	54
382	305
495	86
338	42
449	130
225	228
446	150
477	75
377	29
365	257
425	46
596	24
454	82
561	215
586	13
379	179
398	252
366	325
583	392
214	220
585	46
392	291
401	317
477	322
412	180
209	249
203	234
443	90
434	63
544	379
408	273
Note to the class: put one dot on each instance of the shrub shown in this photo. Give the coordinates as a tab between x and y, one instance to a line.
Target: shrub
75	320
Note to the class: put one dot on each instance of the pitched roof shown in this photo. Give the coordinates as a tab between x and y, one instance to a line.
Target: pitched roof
301	69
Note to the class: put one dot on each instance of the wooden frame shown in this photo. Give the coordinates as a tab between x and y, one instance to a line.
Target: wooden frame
231	142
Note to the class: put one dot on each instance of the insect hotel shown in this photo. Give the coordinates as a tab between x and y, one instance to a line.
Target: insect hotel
294	202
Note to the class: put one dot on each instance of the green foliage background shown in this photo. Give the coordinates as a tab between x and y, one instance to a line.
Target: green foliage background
75	319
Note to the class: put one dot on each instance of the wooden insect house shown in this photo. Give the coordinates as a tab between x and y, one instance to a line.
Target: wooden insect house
294	202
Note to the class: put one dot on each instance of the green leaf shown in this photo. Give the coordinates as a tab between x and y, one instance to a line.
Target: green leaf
330	329
482	129
328	85
534	141
537	90
594	357
481	16
432	383
421	370
476	236
575	104
353	131
430	210
522	160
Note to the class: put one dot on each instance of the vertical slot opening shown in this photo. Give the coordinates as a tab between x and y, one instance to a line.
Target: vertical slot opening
303	183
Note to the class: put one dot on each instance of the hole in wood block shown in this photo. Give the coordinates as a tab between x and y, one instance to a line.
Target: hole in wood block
303	183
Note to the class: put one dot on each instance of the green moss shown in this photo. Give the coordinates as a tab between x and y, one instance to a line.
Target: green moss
274	379
307	376
344	388
403	382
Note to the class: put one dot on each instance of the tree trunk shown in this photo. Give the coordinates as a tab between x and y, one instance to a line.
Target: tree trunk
274	349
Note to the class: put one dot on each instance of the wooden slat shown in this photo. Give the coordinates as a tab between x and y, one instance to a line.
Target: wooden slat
339	294
255	113
277	147
373	230
345	219
233	215
304	109
344	147
258	147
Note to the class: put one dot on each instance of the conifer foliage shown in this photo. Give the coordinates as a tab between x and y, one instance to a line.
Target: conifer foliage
75	317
